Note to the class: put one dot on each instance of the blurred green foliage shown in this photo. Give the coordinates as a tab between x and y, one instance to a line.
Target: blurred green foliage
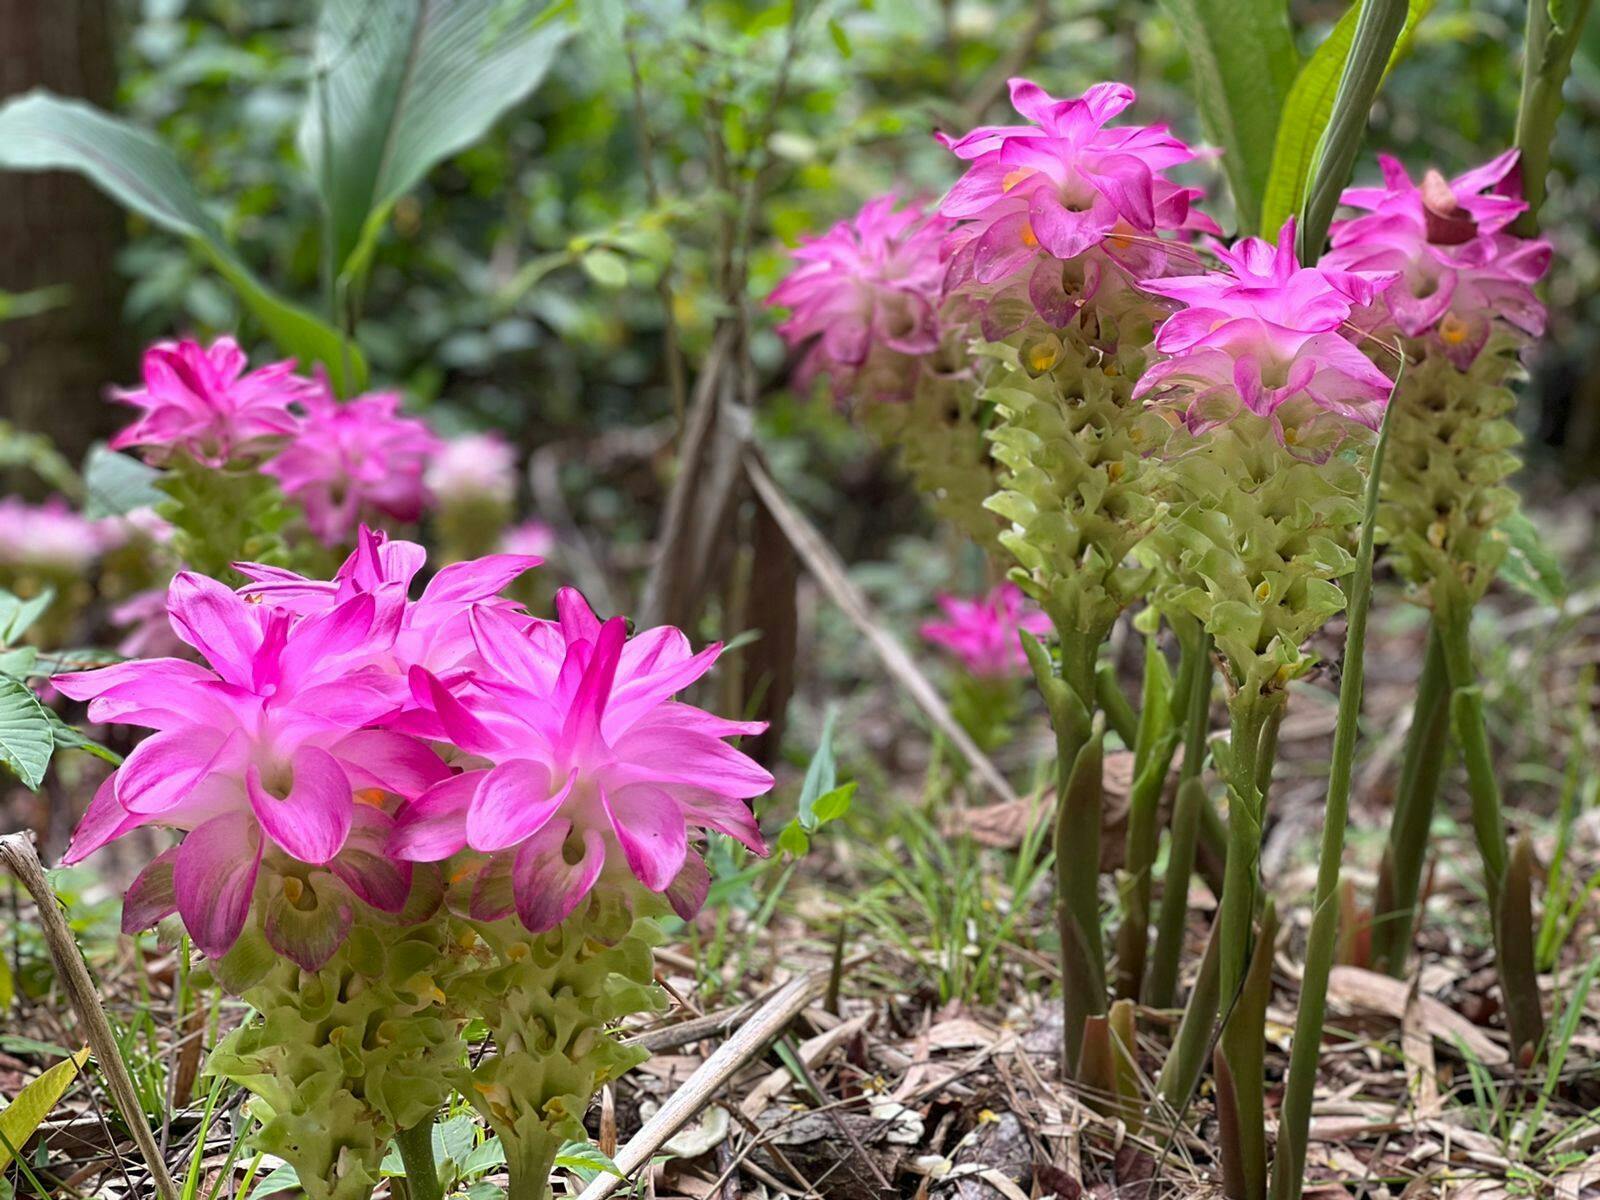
520	284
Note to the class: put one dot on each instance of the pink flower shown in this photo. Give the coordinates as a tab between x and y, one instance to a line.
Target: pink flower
1038	196
984	633
51	536
474	466
1456	269
1262	333
355	461
432	631
147	633
532	536
200	401
592	774
261	753
864	298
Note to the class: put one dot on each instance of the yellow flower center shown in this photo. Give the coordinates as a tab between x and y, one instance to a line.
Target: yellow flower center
1015	177
1453	330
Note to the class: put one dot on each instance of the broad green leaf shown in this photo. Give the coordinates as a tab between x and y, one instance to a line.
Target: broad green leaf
1308	107
18	615
399	86
1372	48
822	775
1242	60
284	1179
117	484
42	132
1529	565
70	737
26	737
582	1156
36	452
34	1102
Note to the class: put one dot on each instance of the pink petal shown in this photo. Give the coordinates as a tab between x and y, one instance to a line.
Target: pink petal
549	887
577	618
651	831
151	896
464	729
434	825
723	814
213	878
364	864
313	819
104	821
594	690
513	801
641	692
392	762
478	579
165	767
658	755
687	893
216	622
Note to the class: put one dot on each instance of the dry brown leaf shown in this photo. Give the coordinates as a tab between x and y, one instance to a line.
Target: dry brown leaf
1358	990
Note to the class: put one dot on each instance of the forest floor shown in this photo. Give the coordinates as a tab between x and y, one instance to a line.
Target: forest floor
923	1059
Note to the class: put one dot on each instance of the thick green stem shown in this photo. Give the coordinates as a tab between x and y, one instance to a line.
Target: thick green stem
1547	59
1239	1061
1254	720
1181	1072
1294	1115
1394	905
1077	841
416	1151
1512	925
1156	744
1161	987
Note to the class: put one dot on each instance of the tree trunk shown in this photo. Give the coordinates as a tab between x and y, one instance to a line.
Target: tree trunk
57	231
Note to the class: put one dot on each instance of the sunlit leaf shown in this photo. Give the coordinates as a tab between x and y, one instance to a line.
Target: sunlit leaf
41	132
23	1116
26	737
1530	566
117	484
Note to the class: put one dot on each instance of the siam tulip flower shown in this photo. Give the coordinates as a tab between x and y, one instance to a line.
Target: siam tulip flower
431	632
51	537
354	461
594	776
864	300
477	466
202	402
984	633
531	537
1456	268
270	752
1264	333
1037	197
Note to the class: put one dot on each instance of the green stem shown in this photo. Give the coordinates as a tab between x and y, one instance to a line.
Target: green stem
1394	906
416	1151
1294	1120
1240	1062
1253	720
1077	843
1181	1072
1161	987
1547	58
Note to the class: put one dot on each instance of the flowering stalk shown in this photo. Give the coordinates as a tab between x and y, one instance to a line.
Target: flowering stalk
1462	299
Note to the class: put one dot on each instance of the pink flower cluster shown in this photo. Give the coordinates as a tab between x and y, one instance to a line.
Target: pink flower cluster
1262	334
343	462
339	732
473	466
984	634
1457	272
52	537
864	298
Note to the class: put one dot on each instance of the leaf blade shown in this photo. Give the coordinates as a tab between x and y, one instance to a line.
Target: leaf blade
27	1112
26	738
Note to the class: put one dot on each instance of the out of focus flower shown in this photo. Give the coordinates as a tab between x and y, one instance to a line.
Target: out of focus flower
431	631
532	537
201	401
863	300
596	777
50	537
1457	272
261	753
147	632
1038	196
355	461
1264	333
476	466
984	634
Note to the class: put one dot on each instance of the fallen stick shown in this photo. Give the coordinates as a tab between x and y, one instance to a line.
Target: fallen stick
824	564
18	854
749	1040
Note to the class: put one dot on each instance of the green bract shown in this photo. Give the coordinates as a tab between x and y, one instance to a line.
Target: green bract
1445	492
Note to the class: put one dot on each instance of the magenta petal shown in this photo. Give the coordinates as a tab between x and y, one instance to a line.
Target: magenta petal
479	579
364	864
216	622
104	821
687	893
594	690
165	767
464	729
213	878
434	825
313	819
514	800
641	693
651	831
548	887
151	896
392	762
577	618
1064	233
